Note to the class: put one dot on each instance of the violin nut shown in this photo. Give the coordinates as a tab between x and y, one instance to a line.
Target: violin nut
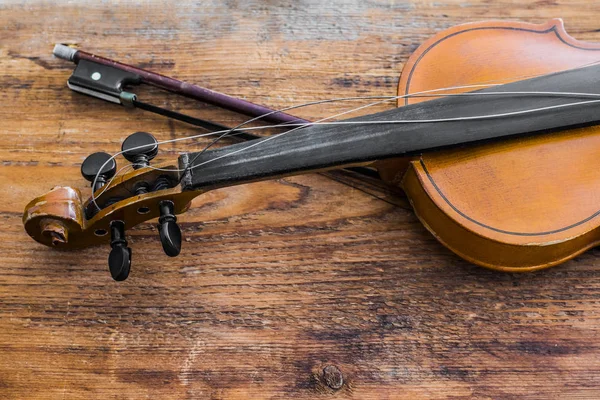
55	230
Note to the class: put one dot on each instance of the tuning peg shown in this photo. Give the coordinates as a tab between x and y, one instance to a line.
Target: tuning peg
119	259
139	148
90	169
170	233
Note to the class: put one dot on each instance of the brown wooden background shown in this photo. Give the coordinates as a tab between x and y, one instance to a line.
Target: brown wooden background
278	280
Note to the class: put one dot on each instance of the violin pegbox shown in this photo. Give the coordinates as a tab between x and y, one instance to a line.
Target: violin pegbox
61	219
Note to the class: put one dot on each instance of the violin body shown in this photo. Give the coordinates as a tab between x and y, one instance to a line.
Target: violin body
515	205
519	205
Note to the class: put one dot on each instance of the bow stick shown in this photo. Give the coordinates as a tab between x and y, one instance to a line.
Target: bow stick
106	79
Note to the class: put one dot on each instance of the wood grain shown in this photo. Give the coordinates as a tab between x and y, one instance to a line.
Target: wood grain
281	285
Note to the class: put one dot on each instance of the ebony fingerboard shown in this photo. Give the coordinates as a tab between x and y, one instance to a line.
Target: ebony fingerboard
320	147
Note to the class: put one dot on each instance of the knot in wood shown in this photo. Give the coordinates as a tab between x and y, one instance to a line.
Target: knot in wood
333	377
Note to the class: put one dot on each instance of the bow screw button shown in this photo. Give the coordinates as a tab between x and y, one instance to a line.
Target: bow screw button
170	233
119	259
139	148
90	169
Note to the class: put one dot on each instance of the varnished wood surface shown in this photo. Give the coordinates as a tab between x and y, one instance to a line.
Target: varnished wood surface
522	204
283	285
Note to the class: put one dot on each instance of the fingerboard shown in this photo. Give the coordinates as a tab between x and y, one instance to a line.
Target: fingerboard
321	147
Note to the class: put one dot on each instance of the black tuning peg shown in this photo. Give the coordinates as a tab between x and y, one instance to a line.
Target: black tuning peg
119	259
90	169
170	234
139	148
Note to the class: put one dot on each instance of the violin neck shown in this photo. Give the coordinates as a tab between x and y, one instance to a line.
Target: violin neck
322	147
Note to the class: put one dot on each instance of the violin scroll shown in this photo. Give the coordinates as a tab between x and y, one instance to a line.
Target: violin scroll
55	218
61	219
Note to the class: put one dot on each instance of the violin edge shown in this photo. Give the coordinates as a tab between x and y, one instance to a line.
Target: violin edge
478	248
555	25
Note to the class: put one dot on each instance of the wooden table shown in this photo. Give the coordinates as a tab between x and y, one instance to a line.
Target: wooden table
306	287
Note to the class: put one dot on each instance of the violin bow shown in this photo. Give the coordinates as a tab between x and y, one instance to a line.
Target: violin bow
106	79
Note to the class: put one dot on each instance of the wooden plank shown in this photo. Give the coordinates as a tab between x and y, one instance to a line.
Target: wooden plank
276	280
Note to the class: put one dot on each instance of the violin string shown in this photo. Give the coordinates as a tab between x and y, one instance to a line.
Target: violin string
385	99
298	126
427	93
319	122
477	117
119	172
230	131
191	162
417	94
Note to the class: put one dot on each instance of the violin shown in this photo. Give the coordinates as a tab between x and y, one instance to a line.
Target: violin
494	142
